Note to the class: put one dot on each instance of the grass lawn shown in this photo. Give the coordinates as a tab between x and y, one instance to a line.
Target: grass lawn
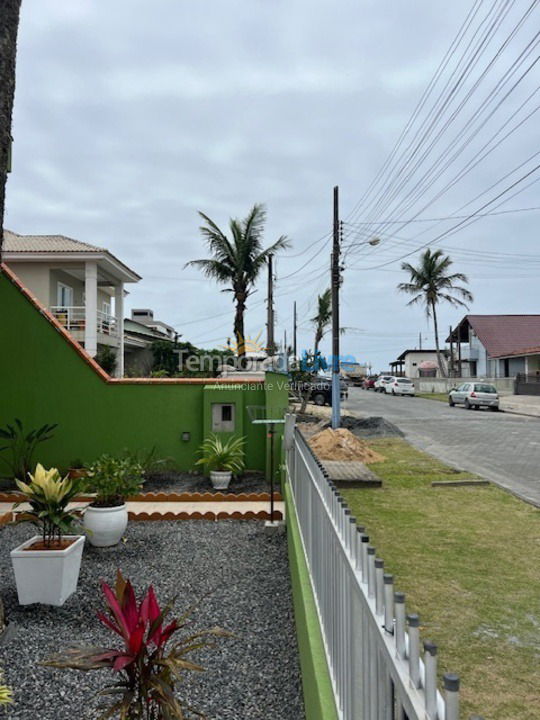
468	559
441	397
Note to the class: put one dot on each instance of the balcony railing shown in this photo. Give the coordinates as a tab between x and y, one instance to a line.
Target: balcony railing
74	319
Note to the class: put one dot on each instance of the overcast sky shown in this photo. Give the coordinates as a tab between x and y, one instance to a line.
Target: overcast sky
131	116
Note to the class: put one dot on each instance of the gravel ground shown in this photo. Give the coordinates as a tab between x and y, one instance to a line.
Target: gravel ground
253	675
250	482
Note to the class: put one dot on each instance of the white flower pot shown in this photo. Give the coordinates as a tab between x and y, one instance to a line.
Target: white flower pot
105	525
48	577
220	479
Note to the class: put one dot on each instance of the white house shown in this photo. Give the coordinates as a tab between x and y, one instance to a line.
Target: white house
419	363
82	285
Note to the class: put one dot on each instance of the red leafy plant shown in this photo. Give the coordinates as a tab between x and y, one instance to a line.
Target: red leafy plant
151	661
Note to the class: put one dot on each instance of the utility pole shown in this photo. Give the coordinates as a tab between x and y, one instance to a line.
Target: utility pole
270	347
420	340
294	330
451	363
335	281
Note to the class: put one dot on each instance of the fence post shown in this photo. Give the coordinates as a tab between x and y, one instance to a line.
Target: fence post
389	603
430	663
358	550
364	559
399	603
451	700
414	649
371	571
379	586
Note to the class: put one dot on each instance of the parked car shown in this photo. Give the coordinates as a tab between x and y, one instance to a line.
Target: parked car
369	382
474	395
399	386
381	381
321	391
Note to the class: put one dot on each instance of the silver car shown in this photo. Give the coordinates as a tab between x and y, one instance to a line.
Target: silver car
474	395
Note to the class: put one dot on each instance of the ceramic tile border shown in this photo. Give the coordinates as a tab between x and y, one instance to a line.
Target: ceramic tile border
236	515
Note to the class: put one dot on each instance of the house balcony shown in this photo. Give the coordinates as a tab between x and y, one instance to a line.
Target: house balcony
74	320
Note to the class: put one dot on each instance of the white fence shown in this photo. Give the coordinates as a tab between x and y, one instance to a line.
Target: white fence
377	668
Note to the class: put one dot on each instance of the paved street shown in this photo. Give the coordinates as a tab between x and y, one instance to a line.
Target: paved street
497	446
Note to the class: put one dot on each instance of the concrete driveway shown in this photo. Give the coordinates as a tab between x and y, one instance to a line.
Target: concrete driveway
500	447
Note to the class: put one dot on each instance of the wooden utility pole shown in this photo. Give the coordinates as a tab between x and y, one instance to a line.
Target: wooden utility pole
451	362
270	346
294	330
335	278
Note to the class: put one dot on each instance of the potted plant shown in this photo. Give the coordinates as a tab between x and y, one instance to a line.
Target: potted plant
150	661
47	565
112	480
221	459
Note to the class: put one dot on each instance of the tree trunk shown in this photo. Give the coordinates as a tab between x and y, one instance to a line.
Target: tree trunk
240	298
436	329
9	25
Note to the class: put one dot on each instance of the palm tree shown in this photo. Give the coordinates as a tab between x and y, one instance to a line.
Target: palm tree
322	319
9	25
238	260
430	283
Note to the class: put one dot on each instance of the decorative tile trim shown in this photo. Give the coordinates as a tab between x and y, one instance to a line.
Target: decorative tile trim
237	515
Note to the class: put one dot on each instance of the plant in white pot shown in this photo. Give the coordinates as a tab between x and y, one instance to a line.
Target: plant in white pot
222	459
47	565
112	480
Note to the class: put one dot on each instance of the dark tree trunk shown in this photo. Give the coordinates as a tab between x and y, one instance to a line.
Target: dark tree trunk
436	330
240	298
9	25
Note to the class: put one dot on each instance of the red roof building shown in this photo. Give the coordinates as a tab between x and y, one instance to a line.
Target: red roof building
497	345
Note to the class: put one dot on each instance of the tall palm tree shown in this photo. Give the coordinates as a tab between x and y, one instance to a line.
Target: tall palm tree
322	319
9	25
238	260
431	283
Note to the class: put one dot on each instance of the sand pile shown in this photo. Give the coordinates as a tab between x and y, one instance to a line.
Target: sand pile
341	444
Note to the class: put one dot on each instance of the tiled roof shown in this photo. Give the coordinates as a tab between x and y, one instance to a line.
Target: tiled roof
504	335
13	242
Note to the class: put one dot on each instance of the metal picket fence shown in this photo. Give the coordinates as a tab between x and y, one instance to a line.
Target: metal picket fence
378	669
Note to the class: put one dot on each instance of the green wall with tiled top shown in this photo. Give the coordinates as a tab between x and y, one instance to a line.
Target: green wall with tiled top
44	380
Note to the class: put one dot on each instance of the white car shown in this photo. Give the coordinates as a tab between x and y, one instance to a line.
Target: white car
381	381
400	386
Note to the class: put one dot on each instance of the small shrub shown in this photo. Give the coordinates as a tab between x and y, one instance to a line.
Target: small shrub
151	662
113	479
106	359
224	456
19	446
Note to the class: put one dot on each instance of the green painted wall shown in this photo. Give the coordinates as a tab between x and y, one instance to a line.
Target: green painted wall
43	379
319	700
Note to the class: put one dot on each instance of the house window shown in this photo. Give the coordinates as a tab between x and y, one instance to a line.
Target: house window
223	417
64	295
106	307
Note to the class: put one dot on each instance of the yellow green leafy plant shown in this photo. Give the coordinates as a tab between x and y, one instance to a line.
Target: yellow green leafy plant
6	695
49	495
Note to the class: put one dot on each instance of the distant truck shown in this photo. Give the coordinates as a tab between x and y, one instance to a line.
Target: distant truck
354	371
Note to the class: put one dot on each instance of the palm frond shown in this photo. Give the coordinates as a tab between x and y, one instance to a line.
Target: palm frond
214	269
